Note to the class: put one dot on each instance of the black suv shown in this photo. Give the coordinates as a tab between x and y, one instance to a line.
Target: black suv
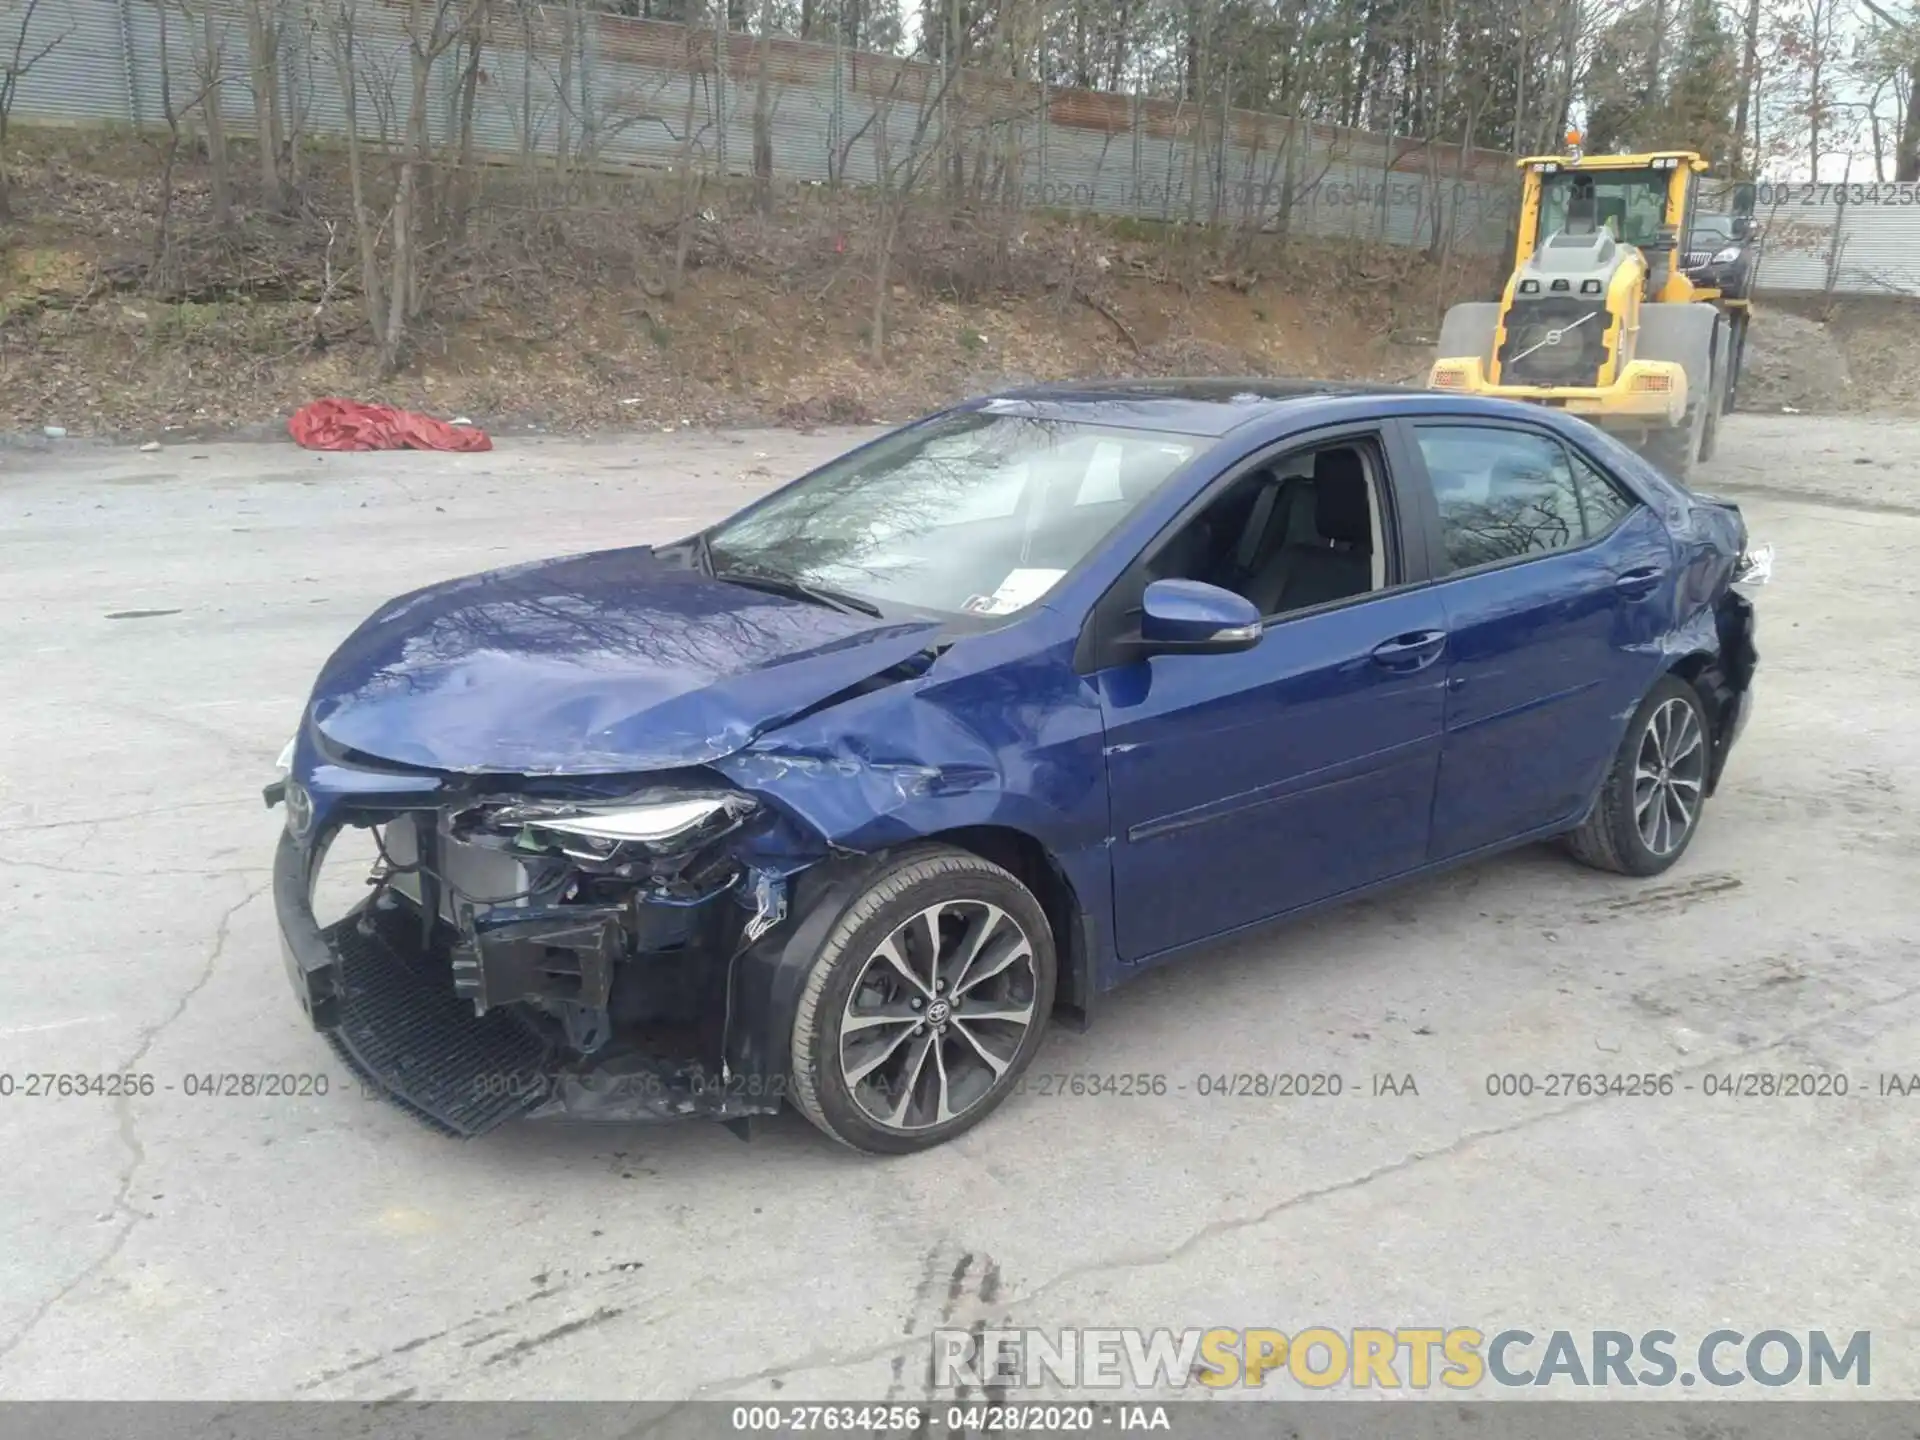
1723	251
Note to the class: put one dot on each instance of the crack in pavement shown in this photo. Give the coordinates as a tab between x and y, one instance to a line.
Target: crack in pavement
129	1134
57	869
814	1360
250	802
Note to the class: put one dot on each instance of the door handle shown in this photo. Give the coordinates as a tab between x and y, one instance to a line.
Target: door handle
1412	651
1639	581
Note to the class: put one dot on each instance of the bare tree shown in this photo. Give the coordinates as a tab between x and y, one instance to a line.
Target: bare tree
763	112
896	182
344	40
209	64
159	273
1898	48
18	66
264	41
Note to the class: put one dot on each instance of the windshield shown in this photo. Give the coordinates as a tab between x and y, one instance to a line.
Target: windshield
977	513
1711	232
1635	201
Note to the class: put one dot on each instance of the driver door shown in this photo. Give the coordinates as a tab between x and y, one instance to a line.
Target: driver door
1246	785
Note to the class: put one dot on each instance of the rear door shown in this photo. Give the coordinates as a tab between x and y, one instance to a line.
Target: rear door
1556	582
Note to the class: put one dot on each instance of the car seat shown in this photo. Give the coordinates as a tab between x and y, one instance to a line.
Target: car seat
1338	560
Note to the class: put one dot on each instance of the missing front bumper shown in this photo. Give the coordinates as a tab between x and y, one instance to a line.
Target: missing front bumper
390	1008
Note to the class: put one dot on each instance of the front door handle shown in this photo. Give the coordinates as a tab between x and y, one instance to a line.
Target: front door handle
1639	581
1413	651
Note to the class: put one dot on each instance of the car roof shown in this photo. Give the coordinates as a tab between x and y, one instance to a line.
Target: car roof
1214	405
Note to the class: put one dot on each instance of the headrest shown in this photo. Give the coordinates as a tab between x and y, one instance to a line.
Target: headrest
1340	509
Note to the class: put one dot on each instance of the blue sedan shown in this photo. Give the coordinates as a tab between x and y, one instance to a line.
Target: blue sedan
839	803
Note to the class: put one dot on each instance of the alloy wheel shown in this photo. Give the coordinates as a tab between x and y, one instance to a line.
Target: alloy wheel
1669	776
938	1014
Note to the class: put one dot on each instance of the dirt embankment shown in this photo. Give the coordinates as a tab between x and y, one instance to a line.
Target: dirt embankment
600	302
1847	356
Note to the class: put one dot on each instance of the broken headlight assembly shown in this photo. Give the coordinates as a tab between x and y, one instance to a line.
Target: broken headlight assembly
1754	567
626	836
550	900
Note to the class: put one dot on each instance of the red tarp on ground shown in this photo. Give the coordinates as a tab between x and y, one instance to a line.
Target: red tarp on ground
352	425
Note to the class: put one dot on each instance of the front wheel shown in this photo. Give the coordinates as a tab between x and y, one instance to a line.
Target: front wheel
925	1004
1674	450
1649	805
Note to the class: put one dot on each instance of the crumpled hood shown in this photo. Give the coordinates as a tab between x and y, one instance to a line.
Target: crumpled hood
593	664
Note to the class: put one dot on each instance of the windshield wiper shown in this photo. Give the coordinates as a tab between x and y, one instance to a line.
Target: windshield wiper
773	582
702	551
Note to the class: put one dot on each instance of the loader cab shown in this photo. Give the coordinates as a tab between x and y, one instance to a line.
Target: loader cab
1641	200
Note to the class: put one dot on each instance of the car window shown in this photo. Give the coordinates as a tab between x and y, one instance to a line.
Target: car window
1299	533
976	512
1506	494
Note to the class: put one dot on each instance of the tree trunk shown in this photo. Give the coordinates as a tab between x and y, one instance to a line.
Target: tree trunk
1656	54
363	228
413	199
1519	128
1122	46
1749	79
263	47
216	122
563	112
882	268
466	176
763	114
1906	154
400	283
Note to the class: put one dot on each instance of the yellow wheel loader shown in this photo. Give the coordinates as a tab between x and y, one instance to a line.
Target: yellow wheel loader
1601	315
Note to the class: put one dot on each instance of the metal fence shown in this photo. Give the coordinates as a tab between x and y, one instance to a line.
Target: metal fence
605	89
564	80
1839	239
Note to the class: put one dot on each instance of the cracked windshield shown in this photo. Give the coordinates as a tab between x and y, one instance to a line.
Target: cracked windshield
979	513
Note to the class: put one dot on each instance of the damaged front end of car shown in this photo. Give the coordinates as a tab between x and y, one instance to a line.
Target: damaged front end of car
595	949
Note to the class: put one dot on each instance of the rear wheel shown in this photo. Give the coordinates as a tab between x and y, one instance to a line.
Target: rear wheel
926	1003
1650	804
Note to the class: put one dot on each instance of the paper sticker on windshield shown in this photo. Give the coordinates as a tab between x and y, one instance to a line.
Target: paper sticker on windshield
1020	589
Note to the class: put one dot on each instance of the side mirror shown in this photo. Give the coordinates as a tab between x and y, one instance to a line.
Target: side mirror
1742	227
1188	617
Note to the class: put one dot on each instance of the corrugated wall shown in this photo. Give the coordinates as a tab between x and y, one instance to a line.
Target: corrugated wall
1851	239
85	76
606	89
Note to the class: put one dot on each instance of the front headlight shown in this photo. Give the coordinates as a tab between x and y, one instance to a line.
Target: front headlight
284	765
1726	256
642	825
596	831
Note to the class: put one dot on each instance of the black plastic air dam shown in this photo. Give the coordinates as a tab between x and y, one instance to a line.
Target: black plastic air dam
388	1007
413	1041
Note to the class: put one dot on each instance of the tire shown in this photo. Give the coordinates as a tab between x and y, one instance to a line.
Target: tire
1737	356
887	1095
1674	449
1615	835
1717	401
